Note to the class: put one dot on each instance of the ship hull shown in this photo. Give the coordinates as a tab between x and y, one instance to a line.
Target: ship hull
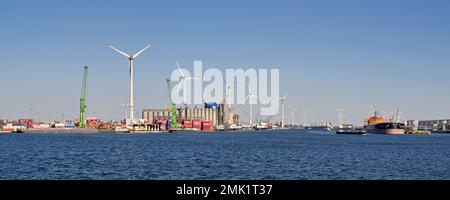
387	131
350	132
386	128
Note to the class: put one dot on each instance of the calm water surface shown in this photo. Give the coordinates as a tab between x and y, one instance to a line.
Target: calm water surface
243	155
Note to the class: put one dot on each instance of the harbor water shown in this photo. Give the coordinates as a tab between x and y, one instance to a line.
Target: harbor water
287	154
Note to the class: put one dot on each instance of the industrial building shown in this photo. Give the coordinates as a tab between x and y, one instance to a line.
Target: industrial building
218	115
430	125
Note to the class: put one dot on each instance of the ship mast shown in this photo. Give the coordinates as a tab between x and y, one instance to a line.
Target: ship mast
396	118
341	116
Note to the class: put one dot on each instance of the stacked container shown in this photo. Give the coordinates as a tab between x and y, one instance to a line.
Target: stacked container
197	124
207	125
187	124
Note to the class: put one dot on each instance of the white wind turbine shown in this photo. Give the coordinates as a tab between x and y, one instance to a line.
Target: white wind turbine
249	97
305	113
282	101
292	112
131	63
183	83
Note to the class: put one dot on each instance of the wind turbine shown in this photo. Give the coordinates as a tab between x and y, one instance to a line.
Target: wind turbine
305	113
292	113
249	97
131	63
183	83
282	101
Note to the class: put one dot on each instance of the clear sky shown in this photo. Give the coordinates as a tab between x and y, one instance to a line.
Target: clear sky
353	54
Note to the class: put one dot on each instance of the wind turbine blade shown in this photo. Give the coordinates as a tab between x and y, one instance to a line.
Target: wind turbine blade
190	78
119	51
181	71
139	53
180	86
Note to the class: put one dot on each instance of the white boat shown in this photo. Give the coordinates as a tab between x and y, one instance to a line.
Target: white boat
147	132
120	129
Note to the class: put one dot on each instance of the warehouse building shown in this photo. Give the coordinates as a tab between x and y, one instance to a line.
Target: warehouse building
182	113
219	115
430	125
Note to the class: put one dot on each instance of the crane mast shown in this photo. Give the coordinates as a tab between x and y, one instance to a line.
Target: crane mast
82	123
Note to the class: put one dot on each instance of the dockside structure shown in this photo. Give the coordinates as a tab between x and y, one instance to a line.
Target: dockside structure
429	125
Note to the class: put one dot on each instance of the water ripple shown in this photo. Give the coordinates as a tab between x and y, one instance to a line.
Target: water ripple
253	155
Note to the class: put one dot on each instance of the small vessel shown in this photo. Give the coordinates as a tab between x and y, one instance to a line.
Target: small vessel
148	132
378	125
235	127
121	129
417	132
349	129
326	127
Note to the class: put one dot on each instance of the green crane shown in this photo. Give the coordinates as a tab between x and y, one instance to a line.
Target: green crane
82	123
173	107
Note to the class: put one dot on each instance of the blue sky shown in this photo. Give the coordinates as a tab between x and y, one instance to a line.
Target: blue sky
350	53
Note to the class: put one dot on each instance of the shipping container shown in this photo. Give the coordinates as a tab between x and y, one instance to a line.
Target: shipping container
207	125
187	124
163	124
197	124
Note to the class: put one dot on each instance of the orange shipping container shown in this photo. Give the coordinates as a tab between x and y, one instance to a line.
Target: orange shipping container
187	124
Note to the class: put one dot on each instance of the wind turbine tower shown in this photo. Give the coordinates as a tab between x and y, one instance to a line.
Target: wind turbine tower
250	98
292	111
305	119
282	100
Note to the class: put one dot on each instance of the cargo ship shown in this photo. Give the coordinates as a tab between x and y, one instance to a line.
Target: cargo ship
378	125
